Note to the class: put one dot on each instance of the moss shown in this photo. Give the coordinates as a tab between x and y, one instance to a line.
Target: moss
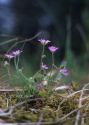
54	100
46	105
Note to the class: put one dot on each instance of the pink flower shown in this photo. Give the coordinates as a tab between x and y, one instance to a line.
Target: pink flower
64	71
39	86
16	53
44	42
9	56
13	54
44	66
53	49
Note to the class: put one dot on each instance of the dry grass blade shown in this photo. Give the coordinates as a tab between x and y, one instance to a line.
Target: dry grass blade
75	110
40	119
11	108
80	104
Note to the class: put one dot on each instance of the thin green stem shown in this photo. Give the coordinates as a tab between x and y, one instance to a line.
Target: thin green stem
20	72
24	76
8	70
36	74
52	63
42	56
18	60
16	66
18	57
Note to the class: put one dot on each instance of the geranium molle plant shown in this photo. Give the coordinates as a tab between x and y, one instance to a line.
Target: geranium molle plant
64	71
13	54
53	49
9	56
41	80
44	43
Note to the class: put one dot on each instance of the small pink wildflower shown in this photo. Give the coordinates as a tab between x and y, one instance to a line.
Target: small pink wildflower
64	71
9	56
53	49
16	53
44	42
39	86
44	66
13	54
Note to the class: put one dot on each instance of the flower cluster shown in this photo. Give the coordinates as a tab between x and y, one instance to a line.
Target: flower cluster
13	54
51	48
43	67
64	71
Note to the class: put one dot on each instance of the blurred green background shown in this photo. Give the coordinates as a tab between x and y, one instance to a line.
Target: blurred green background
64	23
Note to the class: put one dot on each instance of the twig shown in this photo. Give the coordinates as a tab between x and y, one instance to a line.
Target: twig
75	110
40	119
82	121
11	108
8	41
23	41
80	104
10	90
69	96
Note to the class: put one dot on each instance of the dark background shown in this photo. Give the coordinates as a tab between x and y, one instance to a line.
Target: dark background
65	23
